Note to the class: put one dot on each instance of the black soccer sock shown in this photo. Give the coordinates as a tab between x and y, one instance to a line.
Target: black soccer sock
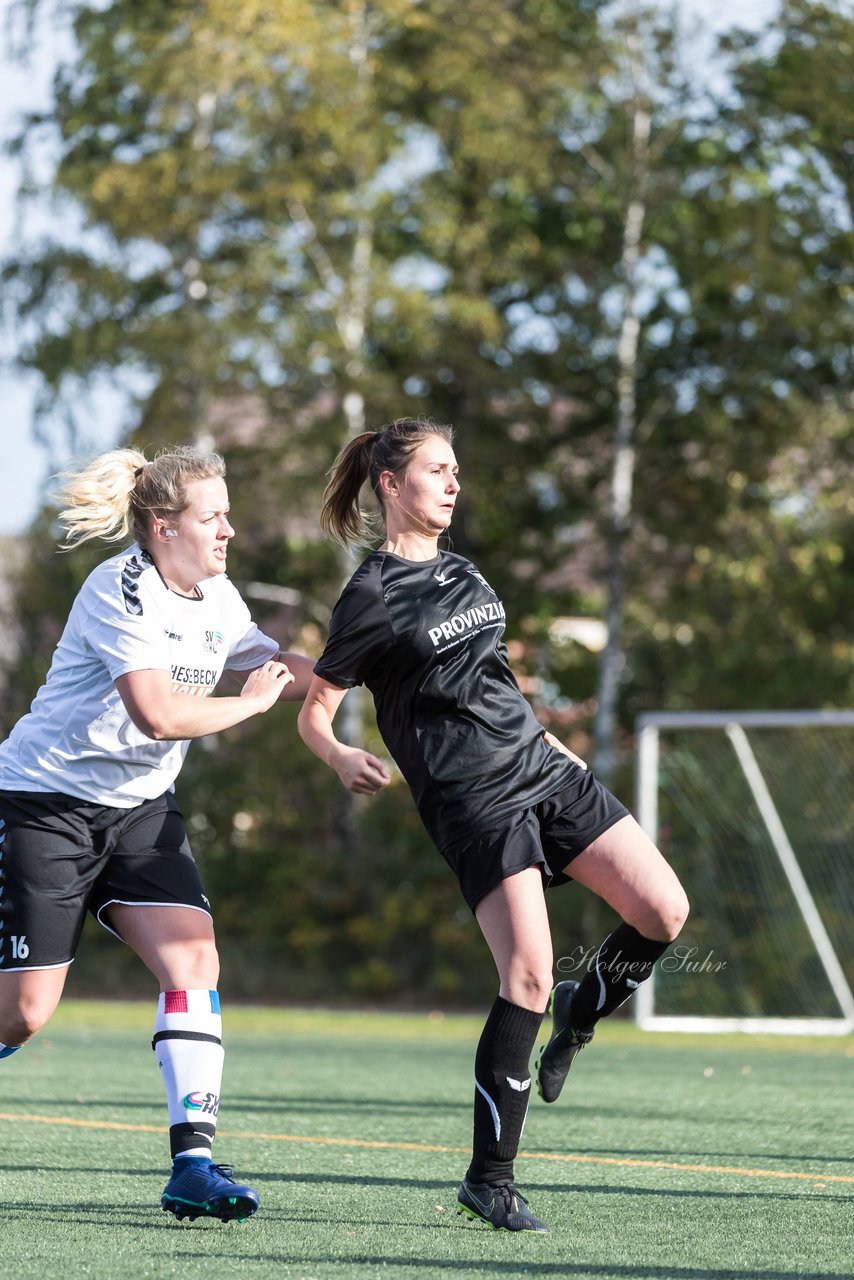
624	960
502	1090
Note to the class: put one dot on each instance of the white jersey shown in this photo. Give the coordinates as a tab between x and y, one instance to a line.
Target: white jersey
77	738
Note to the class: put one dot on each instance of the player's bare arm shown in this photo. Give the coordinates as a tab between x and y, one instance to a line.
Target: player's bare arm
358	770
300	668
165	715
560	746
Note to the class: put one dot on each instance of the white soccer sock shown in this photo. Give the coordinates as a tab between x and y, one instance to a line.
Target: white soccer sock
188	1044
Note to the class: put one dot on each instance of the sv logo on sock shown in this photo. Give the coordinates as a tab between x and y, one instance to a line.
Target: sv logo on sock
207	1103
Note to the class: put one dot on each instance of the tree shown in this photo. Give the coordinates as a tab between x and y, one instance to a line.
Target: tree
630	297
255	250
712	322
764	356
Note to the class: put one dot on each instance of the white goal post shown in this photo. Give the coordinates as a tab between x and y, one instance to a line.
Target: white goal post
755	811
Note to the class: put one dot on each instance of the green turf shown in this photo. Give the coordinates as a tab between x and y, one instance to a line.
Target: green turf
83	1200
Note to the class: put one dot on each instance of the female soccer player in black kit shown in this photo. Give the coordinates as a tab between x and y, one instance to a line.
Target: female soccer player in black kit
509	808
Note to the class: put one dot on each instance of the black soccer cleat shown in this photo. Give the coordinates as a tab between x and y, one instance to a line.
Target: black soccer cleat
202	1189
501	1207
556	1057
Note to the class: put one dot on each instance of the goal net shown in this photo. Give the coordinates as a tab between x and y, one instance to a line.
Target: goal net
755	812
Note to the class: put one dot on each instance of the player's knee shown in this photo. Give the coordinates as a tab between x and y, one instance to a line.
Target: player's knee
199	963
531	986
666	916
678	914
20	1023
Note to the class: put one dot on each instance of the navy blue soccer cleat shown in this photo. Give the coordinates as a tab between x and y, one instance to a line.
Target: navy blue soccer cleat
502	1207
199	1188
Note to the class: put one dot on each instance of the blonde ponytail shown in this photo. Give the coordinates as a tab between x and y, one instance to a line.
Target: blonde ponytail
98	498
119	492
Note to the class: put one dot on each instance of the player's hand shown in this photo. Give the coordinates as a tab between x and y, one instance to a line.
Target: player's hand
266	683
559	746
361	772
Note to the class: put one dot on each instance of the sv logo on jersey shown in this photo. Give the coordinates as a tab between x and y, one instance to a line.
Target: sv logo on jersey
213	641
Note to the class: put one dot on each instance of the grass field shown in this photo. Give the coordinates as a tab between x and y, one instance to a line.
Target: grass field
673	1157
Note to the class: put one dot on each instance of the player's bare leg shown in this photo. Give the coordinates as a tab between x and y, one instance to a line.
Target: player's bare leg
625	868
177	944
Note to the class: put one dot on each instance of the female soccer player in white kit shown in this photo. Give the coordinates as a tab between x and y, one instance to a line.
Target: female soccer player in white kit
88	820
509	808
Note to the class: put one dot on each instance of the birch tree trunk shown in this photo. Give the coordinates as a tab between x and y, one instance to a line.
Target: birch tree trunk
351	295
352	328
623	467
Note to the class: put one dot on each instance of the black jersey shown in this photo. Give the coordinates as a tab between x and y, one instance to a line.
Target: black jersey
426	638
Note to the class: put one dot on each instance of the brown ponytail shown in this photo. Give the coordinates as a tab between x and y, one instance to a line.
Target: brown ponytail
341	516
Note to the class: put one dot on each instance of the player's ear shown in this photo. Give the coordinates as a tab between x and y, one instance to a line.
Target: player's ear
388	484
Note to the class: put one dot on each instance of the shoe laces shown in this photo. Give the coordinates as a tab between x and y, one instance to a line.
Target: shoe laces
509	1193
224	1170
568	1037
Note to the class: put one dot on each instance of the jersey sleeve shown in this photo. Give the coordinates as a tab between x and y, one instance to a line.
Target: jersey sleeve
360	635
125	635
248	647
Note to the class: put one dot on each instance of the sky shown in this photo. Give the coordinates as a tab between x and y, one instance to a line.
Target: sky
26	465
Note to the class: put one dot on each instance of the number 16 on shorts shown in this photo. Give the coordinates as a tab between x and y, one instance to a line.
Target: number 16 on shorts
20	950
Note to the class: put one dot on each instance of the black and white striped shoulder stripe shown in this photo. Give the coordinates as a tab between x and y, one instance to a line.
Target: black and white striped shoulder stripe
131	571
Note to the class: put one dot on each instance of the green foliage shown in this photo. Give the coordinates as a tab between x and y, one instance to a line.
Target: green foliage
293	211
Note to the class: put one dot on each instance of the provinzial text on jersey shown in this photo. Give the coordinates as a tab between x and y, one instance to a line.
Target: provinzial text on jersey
460	623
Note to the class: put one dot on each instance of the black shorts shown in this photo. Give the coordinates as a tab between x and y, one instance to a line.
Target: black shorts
61	856
548	835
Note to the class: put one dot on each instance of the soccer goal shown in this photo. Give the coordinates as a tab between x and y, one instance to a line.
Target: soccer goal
755	811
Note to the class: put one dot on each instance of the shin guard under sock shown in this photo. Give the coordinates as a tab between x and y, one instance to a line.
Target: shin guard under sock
188	1044
502	1090
624	960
